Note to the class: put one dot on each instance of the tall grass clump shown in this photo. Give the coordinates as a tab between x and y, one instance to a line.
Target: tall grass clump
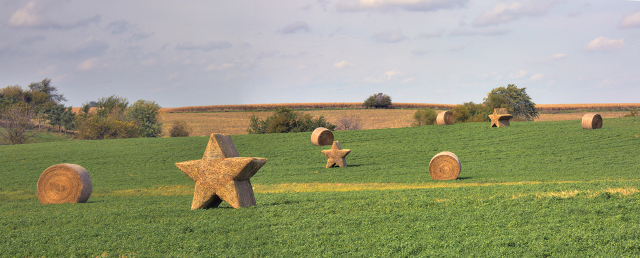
425	116
285	120
179	128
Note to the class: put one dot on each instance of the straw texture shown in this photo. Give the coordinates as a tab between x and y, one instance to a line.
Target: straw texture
336	155
445	118
321	136
500	118
64	183
221	175
444	166
591	121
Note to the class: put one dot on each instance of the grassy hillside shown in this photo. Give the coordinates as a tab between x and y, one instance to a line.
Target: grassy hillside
534	189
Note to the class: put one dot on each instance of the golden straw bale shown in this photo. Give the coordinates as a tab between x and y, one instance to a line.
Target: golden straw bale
591	121
445	118
322	136
444	166
64	183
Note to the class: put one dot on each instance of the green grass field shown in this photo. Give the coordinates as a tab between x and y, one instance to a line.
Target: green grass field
534	189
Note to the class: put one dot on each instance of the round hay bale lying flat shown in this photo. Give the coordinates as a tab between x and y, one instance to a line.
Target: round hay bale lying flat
64	183
445	118
322	136
591	121
444	166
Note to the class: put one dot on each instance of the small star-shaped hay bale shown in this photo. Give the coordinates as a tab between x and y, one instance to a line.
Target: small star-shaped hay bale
500	118
221	175
336	155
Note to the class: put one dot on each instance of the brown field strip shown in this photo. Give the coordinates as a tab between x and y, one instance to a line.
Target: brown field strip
235	123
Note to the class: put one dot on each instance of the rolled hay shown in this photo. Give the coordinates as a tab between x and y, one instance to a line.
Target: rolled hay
64	183
322	136
591	121
445	118
444	166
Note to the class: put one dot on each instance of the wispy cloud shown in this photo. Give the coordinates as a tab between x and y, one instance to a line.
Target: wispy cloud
559	56
630	21
389	36
298	26
503	12
30	16
342	64
603	43
390	5
206	46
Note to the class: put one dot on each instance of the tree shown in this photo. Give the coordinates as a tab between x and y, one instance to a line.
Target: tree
285	120
471	112
146	115
425	116
108	122
16	119
514	99
45	86
378	101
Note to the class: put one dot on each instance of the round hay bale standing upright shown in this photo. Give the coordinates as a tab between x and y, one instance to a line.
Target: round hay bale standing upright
591	121
445	118
322	136
64	183
444	166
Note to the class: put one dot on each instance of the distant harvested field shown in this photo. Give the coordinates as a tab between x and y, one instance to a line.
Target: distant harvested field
235	123
358	105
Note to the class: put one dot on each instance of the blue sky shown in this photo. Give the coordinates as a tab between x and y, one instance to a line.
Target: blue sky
188	53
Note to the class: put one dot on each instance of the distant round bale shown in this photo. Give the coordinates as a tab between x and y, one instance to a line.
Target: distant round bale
64	183
445	118
322	136
591	121
444	166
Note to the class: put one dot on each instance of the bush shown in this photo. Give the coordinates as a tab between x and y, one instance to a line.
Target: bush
425	116
285	120
179	129
378	101
16	119
471	112
349	123
145	114
515	100
95	127
633	113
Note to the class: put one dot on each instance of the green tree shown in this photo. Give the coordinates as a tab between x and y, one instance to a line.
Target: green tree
16	120
108	122
146	115
45	87
285	120
378	101
425	116
514	99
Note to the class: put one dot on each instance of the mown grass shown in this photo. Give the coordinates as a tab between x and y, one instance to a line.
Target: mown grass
531	189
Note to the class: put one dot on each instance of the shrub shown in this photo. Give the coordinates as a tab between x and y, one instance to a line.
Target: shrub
633	113
16	119
179	128
471	112
285	120
425	116
378	101
96	127
146	115
352	122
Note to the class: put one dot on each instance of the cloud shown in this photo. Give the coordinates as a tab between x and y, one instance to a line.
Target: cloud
389	36
630	21
119	27
558	56
390	5
295	27
436	34
536	77
207	46
88	64
88	48
519	75
30	16
487	32
342	64
603	43
503	13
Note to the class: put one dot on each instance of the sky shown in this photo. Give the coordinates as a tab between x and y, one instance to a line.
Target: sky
198	53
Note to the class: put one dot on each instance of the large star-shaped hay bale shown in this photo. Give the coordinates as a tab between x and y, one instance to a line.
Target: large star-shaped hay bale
336	155
221	175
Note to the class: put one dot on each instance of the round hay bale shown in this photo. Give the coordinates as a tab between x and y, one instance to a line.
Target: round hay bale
445	118
322	136
64	183
444	166
591	121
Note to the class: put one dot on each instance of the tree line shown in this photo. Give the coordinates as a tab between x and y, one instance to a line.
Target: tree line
22	110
